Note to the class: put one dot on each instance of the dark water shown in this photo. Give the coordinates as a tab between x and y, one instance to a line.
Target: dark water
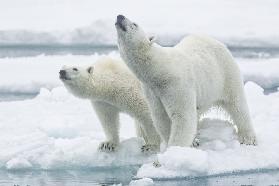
34	50
255	178
124	176
111	176
254	52
15	96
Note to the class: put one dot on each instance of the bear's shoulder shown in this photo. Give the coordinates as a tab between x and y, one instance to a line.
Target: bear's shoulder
108	64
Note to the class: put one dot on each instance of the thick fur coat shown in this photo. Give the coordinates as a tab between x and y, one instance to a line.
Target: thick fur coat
112	88
184	81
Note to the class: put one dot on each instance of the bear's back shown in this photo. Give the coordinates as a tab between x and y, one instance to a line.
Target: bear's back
199	41
209	49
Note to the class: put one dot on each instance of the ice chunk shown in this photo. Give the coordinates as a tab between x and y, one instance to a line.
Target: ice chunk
219	150
142	182
18	163
177	160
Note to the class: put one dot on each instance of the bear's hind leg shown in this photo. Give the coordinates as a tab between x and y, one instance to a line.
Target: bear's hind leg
139	131
238	110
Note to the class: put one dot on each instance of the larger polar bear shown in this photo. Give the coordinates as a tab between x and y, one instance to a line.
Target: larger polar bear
112	88
184	81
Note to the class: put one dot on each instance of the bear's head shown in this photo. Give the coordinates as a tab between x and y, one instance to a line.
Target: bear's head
77	79
130	35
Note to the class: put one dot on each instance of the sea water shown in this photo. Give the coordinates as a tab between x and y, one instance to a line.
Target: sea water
123	175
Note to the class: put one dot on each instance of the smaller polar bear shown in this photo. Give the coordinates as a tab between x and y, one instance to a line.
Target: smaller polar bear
184	81
112	88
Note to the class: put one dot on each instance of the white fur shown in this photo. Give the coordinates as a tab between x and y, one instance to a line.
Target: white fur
184	81
112	89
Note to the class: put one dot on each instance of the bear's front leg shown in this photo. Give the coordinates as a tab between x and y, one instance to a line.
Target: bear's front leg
161	120
147	131
196	142
181	108
150	149
109	118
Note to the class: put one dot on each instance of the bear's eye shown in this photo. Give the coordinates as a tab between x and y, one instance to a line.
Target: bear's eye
89	70
135	24
75	69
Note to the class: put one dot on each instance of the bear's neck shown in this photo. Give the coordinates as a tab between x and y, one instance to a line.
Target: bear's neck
141	61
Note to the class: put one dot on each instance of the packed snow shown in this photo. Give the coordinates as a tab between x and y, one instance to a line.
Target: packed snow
30	74
249	22
57	131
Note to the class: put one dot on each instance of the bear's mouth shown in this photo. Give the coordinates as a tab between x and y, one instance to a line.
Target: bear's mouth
63	75
119	22
64	78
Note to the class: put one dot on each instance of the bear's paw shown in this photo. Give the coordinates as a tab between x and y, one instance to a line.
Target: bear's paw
149	149
247	139
107	146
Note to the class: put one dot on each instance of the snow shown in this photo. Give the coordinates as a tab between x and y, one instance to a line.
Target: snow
219	151
57	131
249	22
191	161
30	74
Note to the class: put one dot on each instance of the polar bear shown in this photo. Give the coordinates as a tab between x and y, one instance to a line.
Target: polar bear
112	88
185	81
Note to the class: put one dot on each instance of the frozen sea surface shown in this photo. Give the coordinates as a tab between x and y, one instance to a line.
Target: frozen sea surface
55	131
49	137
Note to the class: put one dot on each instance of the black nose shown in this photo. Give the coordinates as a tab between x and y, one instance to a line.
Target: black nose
120	18
62	73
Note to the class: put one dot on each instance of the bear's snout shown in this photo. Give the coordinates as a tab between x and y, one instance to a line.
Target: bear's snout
62	74
119	22
120	18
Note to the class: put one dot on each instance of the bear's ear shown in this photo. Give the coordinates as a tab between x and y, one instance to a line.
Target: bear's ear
90	70
152	39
